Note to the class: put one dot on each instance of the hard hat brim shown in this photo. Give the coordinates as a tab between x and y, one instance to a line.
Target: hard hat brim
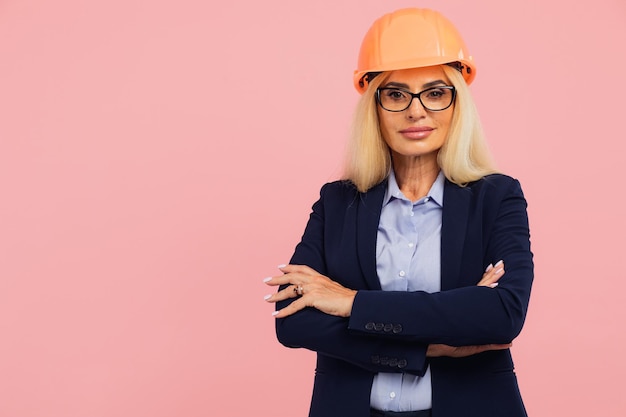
469	72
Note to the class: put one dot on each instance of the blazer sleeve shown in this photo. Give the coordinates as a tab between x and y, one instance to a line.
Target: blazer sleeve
467	315
330	335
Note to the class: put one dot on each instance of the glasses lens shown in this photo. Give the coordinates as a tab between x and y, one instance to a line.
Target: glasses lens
393	99
437	98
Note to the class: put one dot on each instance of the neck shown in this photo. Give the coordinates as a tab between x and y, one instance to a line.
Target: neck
415	175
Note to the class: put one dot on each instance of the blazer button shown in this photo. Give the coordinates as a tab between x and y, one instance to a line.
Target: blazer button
402	363
384	360
378	326
369	326
397	328
393	362
375	360
388	327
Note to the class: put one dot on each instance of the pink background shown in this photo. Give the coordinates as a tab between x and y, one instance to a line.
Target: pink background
159	158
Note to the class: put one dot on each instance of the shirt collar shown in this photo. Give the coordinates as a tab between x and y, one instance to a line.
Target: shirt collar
435	193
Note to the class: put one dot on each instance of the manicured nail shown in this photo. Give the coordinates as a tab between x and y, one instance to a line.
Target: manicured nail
267	297
489	267
499	263
282	266
275	313
494	285
268	279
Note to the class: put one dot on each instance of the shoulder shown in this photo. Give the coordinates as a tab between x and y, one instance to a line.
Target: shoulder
496	185
485	194
339	187
344	191
494	181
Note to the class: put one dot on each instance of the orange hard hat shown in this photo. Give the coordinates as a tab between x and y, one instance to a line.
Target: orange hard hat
411	38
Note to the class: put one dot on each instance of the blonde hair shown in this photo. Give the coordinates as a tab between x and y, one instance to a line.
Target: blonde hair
463	158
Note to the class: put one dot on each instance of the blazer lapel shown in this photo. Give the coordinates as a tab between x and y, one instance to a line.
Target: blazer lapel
456	203
368	217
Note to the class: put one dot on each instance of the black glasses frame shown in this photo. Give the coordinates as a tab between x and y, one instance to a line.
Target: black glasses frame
415	95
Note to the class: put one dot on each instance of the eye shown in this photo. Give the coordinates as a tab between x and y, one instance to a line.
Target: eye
437	93
395	94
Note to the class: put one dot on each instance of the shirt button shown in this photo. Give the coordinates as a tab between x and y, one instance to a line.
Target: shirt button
426	200
411	245
412	214
402	273
392	394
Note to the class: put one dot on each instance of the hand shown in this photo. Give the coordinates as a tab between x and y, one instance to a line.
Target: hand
492	274
490	279
435	351
317	291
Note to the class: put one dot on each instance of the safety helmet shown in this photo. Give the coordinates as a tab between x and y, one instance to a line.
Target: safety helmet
411	38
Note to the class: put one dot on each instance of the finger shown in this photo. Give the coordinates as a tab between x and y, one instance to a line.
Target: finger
486	278
492	280
302	269
284	294
501	346
292	308
285	279
274	281
491	346
492	274
498	269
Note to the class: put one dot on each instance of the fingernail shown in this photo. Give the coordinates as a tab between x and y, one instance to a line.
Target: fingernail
267	297
499	271
281	266
494	285
489	267
268	279
275	313
499	262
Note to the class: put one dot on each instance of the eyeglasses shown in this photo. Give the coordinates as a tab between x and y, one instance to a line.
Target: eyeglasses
433	99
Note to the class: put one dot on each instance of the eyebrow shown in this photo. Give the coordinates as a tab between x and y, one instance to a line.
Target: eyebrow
406	86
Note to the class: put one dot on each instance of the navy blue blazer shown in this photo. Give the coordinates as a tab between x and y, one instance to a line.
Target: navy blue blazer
389	331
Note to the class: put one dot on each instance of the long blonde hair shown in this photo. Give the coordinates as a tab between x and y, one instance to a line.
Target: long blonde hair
463	158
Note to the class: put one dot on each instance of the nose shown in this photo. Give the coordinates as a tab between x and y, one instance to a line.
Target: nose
416	110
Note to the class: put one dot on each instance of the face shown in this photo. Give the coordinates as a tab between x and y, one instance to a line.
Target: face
415	132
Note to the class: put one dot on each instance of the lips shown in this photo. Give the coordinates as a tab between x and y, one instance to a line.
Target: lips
416	132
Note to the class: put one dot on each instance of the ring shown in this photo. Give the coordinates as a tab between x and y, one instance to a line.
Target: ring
299	290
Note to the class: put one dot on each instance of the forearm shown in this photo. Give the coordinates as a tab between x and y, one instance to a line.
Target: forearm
458	317
329	335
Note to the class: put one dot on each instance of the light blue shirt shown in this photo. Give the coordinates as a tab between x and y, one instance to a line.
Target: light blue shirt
408	258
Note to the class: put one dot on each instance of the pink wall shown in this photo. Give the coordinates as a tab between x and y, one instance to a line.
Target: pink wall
157	161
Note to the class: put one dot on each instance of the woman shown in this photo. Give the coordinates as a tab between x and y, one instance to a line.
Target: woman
398	283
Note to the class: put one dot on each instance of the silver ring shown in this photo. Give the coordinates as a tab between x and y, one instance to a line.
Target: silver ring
299	290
